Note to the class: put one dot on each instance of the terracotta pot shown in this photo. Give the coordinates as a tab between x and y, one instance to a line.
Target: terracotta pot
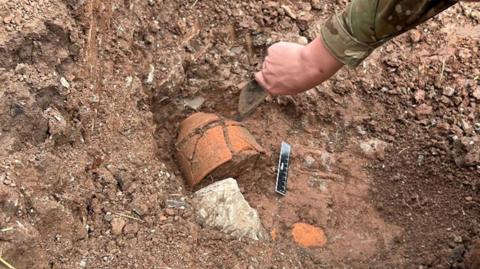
210	145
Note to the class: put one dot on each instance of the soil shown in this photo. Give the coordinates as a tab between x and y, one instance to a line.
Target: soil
93	92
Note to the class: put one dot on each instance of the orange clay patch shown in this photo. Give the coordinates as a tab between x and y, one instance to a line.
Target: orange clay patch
274	234
308	236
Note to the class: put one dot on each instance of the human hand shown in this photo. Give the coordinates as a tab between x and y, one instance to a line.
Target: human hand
291	68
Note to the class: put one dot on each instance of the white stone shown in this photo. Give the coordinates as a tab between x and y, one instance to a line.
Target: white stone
289	12
151	75
194	103
222	206
302	40
64	82
309	161
374	148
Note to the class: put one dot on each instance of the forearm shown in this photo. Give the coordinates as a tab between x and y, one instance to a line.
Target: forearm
346	38
325	63
366	24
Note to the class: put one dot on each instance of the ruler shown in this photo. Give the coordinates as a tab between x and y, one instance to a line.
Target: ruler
282	173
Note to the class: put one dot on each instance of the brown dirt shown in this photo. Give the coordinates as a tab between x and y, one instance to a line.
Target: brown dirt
93	93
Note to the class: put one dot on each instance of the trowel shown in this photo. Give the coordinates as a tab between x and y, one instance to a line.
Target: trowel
251	96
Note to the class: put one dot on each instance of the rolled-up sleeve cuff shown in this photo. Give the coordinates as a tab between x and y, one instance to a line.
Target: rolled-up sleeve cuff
341	44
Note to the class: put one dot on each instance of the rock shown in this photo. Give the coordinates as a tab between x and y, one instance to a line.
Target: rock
64	82
360	130
415	36
170	212
326	160
472	258
289	12
194	103
419	96
222	206
309	161
131	229
151	75
302	40
308	236
466	151
319	184
448	91
56	122
467	127
10	200
177	202
316	4
476	93
374	148
444	99
140	208
443	127
117	225
423	110
457	239
108	217
475	14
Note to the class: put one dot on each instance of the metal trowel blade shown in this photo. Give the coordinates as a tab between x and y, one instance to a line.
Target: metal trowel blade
251	96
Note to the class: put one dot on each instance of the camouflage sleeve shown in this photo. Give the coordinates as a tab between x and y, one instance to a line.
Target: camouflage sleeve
366	24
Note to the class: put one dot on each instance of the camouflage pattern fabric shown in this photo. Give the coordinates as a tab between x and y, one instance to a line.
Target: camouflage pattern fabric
366	24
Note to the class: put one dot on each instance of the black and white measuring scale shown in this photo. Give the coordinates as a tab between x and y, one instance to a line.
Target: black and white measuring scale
282	173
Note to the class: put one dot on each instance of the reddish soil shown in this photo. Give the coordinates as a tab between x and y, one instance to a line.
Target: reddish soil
93	93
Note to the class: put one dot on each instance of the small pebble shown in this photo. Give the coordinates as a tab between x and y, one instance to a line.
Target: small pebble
117	225
457	239
170	212
448	91
309	161
302	40
64	82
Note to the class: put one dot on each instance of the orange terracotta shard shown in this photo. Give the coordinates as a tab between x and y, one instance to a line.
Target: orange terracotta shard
210	145
308	236
274	234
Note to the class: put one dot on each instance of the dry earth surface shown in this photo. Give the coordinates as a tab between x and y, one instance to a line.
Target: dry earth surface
386	156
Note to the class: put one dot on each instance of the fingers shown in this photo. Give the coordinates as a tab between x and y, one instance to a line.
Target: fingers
279	68
261	80
264	64
268	86
267	77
